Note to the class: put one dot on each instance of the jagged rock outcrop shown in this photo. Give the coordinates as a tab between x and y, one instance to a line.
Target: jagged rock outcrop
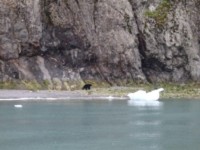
69	42
169	32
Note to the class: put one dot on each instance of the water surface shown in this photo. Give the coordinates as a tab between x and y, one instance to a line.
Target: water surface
100	125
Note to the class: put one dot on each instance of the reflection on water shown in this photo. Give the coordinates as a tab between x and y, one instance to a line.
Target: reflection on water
145	103
89	125
146	125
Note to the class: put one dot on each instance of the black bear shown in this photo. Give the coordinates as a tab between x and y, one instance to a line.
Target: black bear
86	87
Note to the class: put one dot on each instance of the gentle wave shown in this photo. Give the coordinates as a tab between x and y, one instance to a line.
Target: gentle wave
33	98
146	135
62	98
146	123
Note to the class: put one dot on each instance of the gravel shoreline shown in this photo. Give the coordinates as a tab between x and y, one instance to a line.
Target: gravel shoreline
24	95
112	93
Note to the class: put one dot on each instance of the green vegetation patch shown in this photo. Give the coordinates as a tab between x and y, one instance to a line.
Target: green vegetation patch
160	13
30	85
8	85
24	85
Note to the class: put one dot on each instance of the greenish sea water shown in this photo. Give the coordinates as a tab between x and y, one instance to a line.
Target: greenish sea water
99	125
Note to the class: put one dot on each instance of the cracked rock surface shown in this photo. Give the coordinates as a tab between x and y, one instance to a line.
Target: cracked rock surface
69	42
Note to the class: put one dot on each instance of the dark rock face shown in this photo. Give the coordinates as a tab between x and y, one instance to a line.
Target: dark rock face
69	42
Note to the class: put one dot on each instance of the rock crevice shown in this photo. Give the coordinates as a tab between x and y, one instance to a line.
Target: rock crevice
111	42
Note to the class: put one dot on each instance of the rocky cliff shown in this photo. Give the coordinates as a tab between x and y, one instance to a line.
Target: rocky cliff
64	43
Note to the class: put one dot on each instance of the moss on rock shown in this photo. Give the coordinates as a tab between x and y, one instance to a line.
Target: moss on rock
160	13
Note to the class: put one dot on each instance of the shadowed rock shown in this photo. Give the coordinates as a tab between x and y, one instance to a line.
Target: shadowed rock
116	42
